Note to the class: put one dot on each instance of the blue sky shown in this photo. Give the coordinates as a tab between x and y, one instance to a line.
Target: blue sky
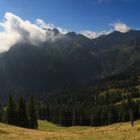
25	20
76	15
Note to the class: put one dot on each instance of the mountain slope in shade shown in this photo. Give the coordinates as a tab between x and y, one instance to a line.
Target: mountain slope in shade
70	61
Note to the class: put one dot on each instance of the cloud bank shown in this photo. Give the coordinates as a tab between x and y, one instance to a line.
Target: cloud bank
15	29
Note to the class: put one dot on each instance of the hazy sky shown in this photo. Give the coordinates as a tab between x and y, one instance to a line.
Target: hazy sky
76	15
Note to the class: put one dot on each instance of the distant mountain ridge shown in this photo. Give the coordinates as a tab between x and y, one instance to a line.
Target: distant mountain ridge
70	61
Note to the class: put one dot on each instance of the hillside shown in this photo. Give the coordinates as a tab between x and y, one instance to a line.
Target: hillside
70	61
105	101
48	131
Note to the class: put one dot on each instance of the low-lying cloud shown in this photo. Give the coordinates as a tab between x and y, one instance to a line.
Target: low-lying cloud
117	26
15	29
92	34
42	24
121	27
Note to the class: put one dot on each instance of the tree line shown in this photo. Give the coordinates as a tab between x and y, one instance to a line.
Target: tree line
91	115
20	113
25	113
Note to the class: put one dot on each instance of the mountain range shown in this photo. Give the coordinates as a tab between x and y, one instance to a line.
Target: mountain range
72	60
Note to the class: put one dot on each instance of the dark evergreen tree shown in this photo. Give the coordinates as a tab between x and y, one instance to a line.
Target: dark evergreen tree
124	111
3	114
131	106
74	116
22	114
12	116
32	114
138	109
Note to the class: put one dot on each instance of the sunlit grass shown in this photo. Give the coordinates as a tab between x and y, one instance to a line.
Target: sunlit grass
49	131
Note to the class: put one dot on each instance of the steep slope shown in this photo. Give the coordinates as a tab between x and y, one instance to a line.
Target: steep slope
70	61
118	51
63	63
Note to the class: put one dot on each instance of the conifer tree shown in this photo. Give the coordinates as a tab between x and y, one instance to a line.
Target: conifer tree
3	115
22	114
32	114
11	111
131	110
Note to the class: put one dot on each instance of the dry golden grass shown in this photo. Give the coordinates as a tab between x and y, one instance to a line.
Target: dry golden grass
48	131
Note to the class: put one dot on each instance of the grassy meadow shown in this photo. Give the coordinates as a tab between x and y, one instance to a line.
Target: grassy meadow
48	131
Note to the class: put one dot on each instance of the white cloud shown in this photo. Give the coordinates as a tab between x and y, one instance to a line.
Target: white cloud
92	34
7	40
117	26
121	27
89	34
42	24
61	30
15	29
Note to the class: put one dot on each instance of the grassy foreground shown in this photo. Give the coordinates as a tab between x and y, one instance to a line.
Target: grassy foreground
48	131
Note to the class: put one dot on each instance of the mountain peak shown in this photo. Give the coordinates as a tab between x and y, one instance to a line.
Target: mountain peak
56	31
71	34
